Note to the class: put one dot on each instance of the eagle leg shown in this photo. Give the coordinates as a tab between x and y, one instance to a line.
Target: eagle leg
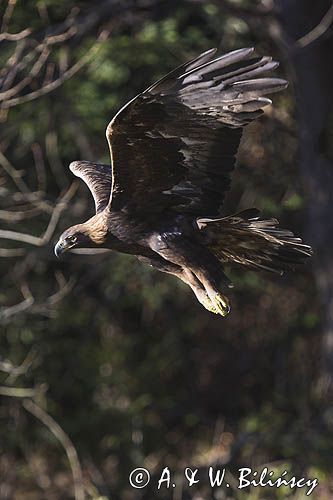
192	281
203	272
185	275
216	301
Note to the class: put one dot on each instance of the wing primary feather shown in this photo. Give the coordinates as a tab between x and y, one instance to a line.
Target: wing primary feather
220	62
192	64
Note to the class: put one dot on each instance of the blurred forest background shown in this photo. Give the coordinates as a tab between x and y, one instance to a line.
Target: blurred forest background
107	365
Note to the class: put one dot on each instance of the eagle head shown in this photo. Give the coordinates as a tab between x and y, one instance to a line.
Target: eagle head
90	234
74	237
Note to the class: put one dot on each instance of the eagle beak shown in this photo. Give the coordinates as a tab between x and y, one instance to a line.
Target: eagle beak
60	248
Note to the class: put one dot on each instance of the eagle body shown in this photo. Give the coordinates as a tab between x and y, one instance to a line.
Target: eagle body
173	149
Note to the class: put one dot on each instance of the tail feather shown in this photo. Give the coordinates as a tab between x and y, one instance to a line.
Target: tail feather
256	243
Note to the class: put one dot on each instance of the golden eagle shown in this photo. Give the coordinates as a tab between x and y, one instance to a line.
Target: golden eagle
173	149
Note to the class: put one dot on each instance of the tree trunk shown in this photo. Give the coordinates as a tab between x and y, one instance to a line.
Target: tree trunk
312	60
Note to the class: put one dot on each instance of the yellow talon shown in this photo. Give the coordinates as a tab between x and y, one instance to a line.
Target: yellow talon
222	304
219	306
208	304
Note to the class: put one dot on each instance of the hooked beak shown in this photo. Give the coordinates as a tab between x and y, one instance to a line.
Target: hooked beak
60	248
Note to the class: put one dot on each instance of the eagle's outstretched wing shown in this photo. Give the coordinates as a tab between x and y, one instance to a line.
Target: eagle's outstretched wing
173	146
98	178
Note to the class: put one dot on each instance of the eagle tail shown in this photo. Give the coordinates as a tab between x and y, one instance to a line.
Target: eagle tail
256	243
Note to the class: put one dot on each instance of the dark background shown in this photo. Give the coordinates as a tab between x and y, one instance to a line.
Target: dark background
108	361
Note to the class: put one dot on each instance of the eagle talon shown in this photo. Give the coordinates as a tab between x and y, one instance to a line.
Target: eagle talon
222	305
208	304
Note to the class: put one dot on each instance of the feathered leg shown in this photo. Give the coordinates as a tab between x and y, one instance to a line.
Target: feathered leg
199	291
197	261
184	275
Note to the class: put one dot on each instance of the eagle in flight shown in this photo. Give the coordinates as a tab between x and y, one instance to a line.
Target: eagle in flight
173	148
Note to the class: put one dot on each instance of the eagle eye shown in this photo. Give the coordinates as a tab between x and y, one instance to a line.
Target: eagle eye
72	239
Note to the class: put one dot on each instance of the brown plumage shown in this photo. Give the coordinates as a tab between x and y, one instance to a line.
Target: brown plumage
173	149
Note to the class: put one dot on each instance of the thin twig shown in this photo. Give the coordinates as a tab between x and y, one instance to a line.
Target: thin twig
12	252
18	215
7	312
36	68
17	62
67	444
11	68
90	251
318	31
8	14
16	175
22	237
59	81
18	392
59	208
53	39
16	371
40	241
15	37
64	288
39	165
53	158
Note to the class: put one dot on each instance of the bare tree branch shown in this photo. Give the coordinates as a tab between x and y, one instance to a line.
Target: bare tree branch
16	175
40	166
65	441
65	286
7	312
318	31
59	208
45	238
7	15
15	37
55	83
17	392
12	252
90	251
16	371
17	215
23	238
